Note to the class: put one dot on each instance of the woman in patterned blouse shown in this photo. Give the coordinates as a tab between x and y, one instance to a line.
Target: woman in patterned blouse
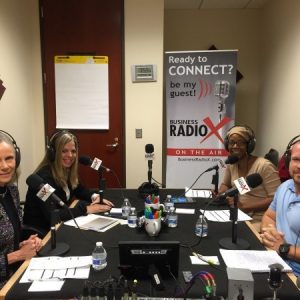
12	250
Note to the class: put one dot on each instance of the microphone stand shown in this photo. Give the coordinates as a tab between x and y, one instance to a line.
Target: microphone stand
54	249
215	180
148	188
234	243
102	185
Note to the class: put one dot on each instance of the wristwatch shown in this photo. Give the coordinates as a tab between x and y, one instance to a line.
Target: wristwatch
284	250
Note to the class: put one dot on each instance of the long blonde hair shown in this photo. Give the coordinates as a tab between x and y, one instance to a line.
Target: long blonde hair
62	176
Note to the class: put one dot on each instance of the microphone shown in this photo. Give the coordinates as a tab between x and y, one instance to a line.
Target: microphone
95	164
274	279
231	159
149	148
45	190
243	186
148	188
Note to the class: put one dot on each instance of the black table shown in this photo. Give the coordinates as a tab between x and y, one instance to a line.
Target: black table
83	242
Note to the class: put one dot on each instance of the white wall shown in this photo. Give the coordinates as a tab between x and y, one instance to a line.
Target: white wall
280	99
21	107
143	101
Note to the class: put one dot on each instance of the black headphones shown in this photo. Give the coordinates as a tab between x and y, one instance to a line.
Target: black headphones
250	144
287	153
51	151
17	149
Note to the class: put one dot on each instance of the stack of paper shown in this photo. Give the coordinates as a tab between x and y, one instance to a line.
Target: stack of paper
48	273
198	193
253	260
224	215
94	222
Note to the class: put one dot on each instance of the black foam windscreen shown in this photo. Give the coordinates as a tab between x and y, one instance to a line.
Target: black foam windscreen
231	159
254	180
149	148
85	160
34	181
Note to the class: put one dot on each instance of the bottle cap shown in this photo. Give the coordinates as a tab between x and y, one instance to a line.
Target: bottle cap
99	244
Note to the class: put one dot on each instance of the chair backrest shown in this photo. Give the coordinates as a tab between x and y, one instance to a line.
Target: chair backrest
273	157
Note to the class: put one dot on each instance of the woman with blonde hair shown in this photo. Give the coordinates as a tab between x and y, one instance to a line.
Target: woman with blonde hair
59	168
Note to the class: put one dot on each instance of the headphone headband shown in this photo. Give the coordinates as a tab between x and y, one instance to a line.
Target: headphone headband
287	153
250	144
16	148
51	151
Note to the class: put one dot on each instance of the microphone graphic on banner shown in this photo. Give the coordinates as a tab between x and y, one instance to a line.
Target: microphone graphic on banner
44	192
149	188
222	89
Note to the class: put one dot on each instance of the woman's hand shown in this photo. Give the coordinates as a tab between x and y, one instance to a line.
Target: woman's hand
96	200
97	208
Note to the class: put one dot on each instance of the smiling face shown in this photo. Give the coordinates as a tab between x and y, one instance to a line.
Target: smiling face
237	145
68	154
294	167
7	163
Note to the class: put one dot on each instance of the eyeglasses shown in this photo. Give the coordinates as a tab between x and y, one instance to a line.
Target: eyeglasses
238	143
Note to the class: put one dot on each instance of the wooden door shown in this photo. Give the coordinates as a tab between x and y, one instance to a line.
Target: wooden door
87	27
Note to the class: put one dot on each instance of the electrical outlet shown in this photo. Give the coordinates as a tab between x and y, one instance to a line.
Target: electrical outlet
138	133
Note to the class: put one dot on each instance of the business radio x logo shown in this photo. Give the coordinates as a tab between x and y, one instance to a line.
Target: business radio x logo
243	185
215	129
45	192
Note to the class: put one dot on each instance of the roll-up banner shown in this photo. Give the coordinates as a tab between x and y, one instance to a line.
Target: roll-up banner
200	103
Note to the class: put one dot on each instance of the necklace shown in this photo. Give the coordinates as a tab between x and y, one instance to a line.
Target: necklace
3	194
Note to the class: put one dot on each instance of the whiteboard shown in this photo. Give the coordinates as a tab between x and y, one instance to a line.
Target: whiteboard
81	92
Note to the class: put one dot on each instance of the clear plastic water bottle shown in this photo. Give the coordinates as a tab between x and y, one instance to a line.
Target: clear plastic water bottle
99	256
172	217
168	203
126	208
201	228
132	218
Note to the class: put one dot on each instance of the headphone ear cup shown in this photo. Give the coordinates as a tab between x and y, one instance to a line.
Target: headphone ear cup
287	158
18	156
226	143
251	145
51	153
16	148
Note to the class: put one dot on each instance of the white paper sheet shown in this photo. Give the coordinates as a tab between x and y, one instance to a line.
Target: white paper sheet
198	193
253	260
186	211
223	215
197	261
57	268
94	222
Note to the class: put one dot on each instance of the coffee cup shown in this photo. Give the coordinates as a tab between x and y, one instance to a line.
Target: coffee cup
153	226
